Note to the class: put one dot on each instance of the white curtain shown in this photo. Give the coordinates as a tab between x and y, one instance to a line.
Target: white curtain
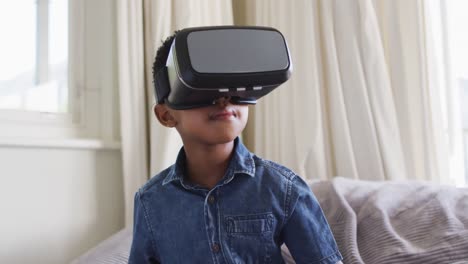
428	101
162	18
360	103
405	30
133	109
142	25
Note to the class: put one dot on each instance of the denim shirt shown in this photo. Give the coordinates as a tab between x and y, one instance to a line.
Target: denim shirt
245	218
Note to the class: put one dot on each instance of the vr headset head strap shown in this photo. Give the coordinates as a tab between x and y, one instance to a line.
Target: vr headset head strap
161	85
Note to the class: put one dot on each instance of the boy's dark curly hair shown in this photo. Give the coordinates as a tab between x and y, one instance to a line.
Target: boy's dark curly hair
162	53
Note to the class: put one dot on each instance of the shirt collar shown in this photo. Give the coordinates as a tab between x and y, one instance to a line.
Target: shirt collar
242	162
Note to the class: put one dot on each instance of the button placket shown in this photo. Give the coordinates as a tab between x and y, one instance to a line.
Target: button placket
215	247
212	222
211	199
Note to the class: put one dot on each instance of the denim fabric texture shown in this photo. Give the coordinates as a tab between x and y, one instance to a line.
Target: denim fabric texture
245	218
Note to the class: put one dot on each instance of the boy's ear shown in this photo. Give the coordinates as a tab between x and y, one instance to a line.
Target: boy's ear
164	116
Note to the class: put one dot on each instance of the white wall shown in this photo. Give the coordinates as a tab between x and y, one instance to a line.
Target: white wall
60	196
56	203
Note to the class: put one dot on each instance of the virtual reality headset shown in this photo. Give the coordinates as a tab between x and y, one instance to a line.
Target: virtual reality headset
207	63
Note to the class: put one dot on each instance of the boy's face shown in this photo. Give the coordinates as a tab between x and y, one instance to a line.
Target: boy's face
216	124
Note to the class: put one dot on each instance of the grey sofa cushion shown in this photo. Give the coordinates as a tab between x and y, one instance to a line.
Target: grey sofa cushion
113	250
433	217
116	250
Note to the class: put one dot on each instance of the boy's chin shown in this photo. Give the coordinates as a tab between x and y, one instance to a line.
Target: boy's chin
221	139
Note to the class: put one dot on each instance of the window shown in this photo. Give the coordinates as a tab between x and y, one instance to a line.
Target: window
449	21
57	72
34	65
457	41
464	87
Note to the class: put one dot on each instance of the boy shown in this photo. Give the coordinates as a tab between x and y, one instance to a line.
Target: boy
219	203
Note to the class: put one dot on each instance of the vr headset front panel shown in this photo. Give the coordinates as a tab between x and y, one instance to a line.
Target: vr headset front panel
211	62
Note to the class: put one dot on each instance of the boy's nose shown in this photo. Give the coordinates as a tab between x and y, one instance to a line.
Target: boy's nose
223	101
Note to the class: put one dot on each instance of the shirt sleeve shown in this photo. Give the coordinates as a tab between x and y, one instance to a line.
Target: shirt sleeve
143	249
306	231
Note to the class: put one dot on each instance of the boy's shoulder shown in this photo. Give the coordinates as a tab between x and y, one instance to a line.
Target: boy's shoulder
265	168
274	168
156	181
279	174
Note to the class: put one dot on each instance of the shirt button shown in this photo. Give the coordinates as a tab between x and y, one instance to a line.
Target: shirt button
215	247
211	199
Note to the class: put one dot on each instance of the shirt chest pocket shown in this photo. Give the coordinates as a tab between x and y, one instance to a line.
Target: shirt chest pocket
249	224
250	238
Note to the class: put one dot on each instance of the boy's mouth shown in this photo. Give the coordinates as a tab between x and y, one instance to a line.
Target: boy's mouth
224	114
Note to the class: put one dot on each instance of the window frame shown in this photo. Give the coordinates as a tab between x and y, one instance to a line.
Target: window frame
93	99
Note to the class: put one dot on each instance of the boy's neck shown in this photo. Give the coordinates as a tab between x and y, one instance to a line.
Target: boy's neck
206	165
